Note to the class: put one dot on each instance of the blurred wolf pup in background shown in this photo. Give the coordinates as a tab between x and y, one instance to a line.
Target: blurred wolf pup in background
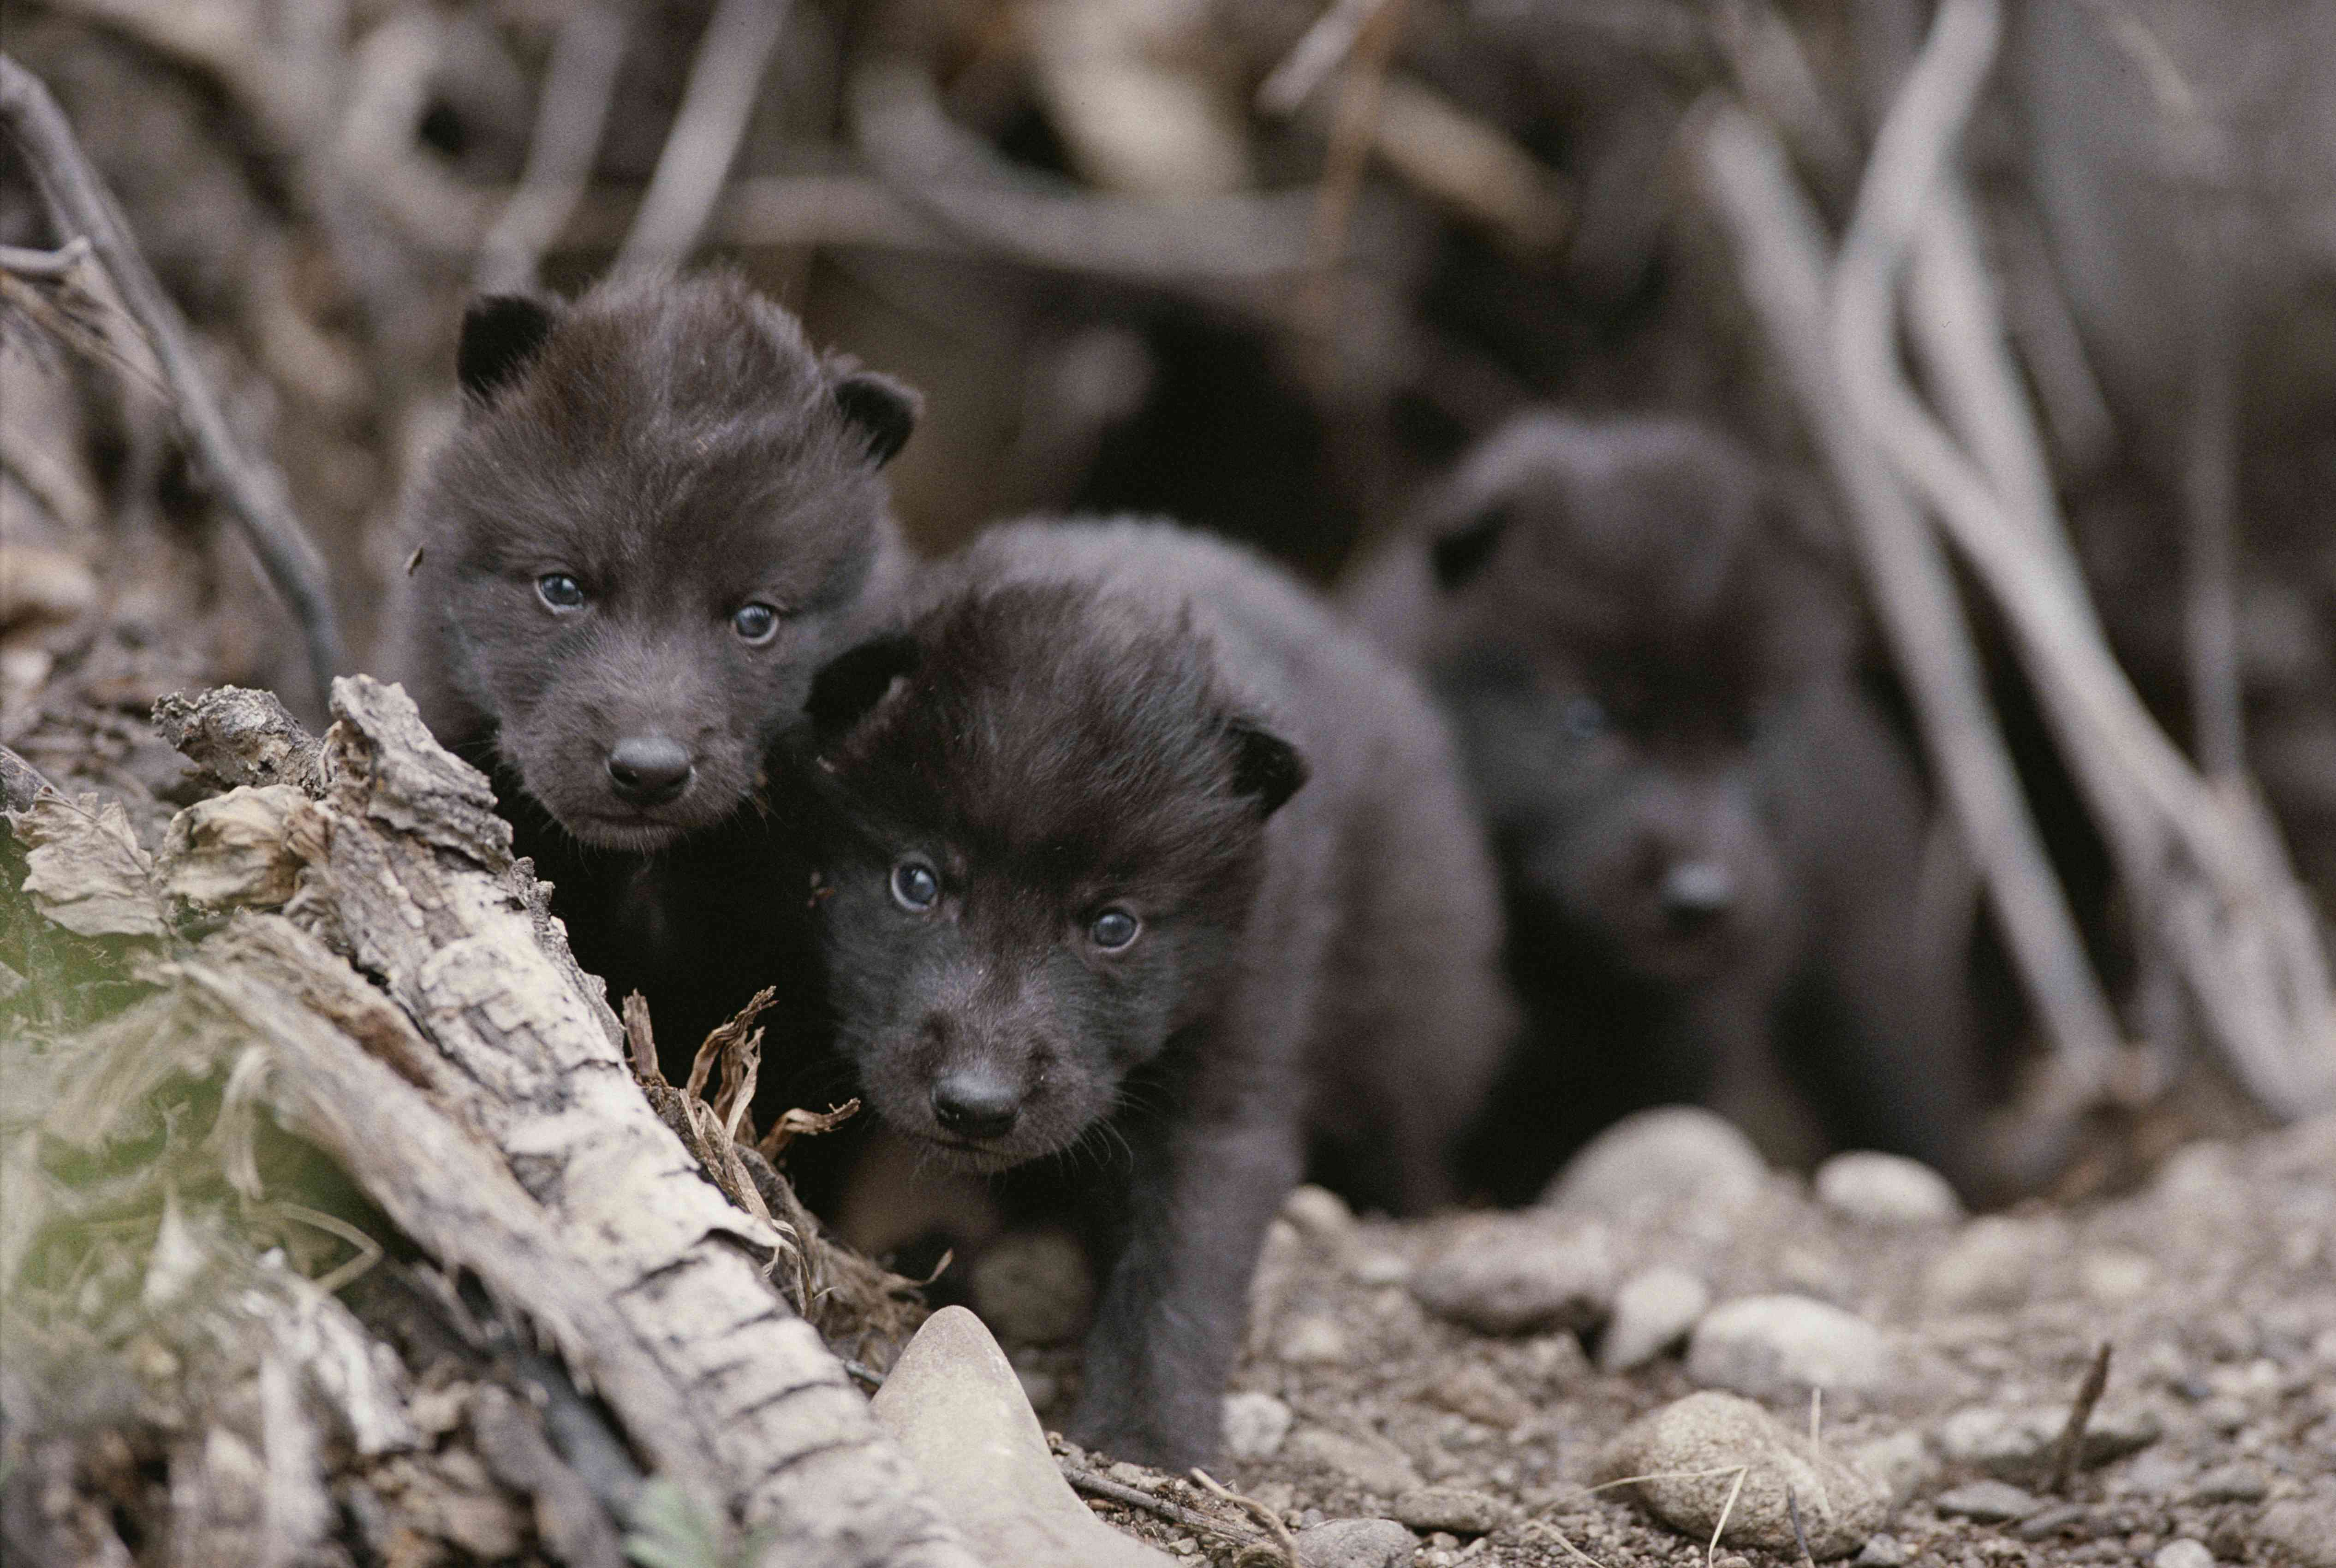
1142	879
1709	841
661	512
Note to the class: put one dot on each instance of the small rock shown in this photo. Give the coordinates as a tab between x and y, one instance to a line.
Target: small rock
2013	1444
1374	1464
1986	1502
1774	1345
1902	1462
953	1406
2182	1553
2113	1275
2303	1527
1357	1543
1886	1189
1652	1311
1453	1509
1883	1552
1032	1288
2231	1483
1321	1216
1511	1273
1993	1263
1255	1425
1693	1451
1313	1340
1378	1268
1653	1159
1478	1392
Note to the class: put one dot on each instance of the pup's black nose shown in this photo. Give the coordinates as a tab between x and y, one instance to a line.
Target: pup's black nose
649	770
1695	891
976	1105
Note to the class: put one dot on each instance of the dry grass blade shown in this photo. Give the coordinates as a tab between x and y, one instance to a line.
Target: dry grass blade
799	1123
1257	1511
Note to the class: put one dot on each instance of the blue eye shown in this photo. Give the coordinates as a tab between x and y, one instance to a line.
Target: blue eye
757	624
915	889
1114	929
1583	719
559	591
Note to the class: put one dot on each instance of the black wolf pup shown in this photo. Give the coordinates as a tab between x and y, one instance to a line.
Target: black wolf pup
660	515
1141	874
1708	837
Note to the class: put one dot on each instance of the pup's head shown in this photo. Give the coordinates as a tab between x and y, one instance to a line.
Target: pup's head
639	544
1611	631
1038	825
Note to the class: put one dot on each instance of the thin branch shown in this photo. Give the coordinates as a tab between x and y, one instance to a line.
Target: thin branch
43	264
1257	1511
1353	129
577	89
79	207
2071	1446
724	81
1095	1485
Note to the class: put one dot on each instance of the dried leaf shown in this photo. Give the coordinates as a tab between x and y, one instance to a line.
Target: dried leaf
86	871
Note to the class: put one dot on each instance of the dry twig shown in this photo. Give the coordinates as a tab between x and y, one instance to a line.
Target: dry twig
1110	1491
2071	1446
724	80
1257	1511
574	107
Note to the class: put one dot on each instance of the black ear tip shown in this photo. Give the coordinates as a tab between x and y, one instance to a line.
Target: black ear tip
500	333
1458	556
1265	766
884	409
856	680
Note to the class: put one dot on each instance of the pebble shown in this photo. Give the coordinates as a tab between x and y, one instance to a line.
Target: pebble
1883	1552
1986	1502
1478	1393
1652	1311
953	1406
1654	1159
1902	1462
1321	1216
1374	1465
2303	1527
2182	1553
1378	1268
2231	1483
1691	1452
1886	1189
1453	1509
2013	1444
1511	1273
1032	1288
1993	1265
1313	1340
1777	1345
1357	1543
1255	1425
2113	1274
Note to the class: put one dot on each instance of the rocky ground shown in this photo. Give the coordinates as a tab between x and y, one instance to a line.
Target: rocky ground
1476	1378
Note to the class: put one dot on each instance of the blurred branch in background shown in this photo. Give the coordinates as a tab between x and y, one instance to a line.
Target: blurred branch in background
571	109
80	208
725	81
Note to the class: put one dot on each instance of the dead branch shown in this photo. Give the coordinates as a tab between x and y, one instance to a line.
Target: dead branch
723	78
2213	877
2071	1445
574	106
1354	126
79	207
1781	253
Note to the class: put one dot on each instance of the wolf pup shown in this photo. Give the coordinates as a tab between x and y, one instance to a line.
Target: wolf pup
660	515
1141	874
1709	841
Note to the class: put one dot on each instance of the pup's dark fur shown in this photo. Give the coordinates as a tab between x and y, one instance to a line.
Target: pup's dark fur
674	452
1122	717
1708	840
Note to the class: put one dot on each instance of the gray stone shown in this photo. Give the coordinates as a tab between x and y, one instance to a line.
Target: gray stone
1357	1543
1378	1268
1886	1189
1883	1552
2231	1483
1032	1288
1986	1502
1255	1425
2023	1443
2182	1553
1691	1452
2303	1527
1652	1311
1453	1509
1514	1274
953	1406
1779	1345
1653	1159
1321	1216
1373	1464
1993	1263
1476	1391
1902	1462
1313	1340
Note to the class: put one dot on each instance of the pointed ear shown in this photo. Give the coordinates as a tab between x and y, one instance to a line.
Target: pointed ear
884	411
1265	766
1458	555
855	680
501	334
